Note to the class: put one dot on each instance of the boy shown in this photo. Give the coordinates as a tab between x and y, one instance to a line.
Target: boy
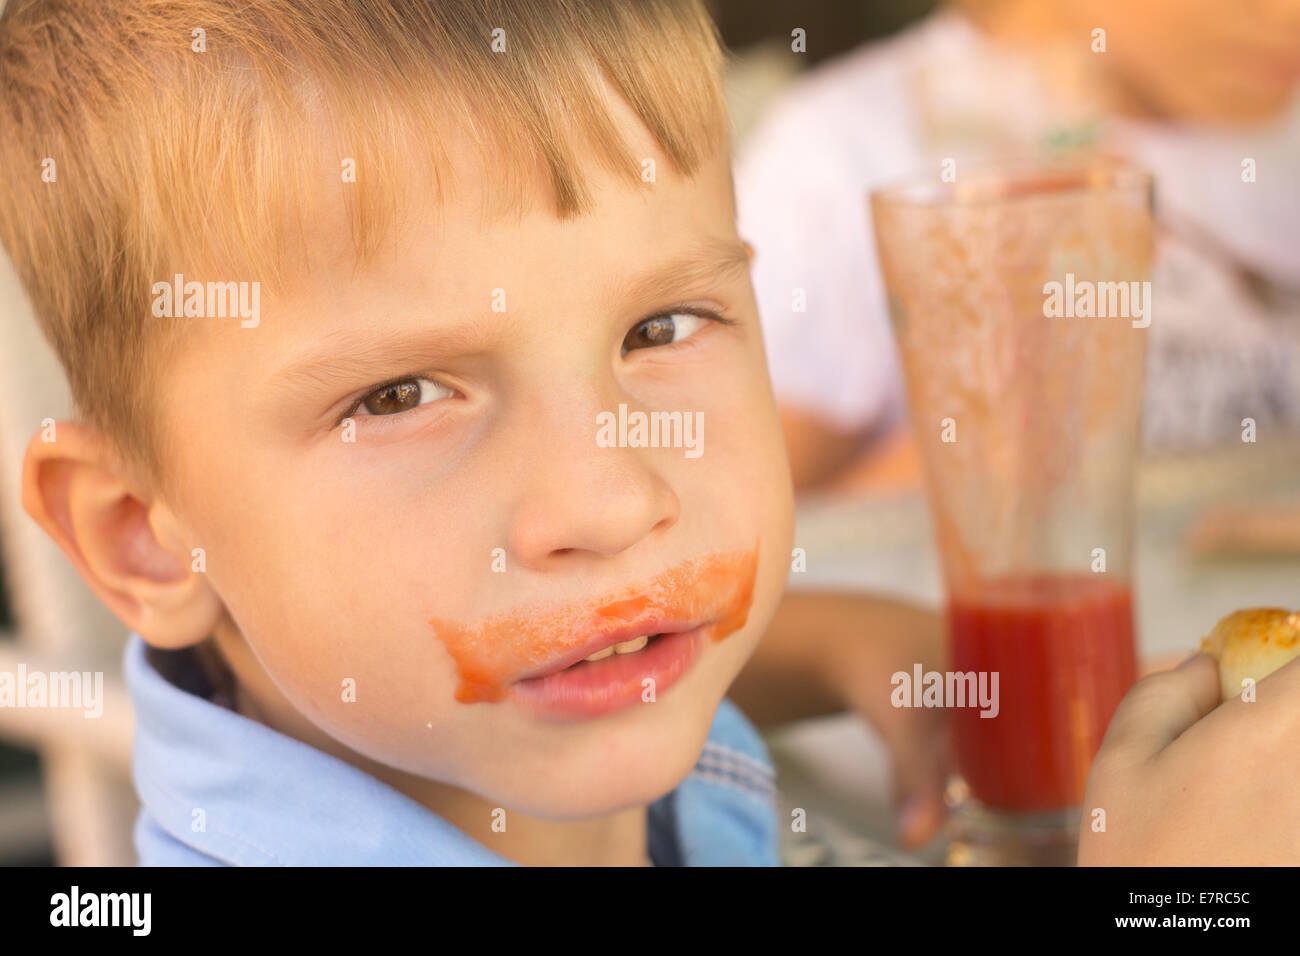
349	294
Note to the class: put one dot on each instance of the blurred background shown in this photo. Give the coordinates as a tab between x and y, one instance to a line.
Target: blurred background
1201	92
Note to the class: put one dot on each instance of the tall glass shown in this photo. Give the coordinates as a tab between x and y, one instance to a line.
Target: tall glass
1019	300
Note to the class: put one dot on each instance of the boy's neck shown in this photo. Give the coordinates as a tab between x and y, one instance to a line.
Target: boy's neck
620	839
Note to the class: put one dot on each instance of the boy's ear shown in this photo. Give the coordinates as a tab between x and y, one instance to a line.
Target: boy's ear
128	549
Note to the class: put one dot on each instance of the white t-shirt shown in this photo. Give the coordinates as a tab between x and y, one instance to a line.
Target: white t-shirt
1224	343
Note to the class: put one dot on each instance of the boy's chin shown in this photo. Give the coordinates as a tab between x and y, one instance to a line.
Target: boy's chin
622	786
636	768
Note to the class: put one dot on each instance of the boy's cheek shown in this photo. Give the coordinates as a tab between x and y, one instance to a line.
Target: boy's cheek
388	703
345	633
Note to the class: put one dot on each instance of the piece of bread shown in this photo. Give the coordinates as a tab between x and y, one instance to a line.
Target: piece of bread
1252	643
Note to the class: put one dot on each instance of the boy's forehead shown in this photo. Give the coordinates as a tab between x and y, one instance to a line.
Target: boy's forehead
449	247
480	192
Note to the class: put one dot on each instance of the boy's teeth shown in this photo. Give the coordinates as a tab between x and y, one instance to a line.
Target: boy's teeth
624	647
632	646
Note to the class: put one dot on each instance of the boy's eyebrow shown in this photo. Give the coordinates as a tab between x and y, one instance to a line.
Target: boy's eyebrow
347	354
715	261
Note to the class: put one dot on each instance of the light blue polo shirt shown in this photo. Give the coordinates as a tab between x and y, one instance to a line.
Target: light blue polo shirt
219	789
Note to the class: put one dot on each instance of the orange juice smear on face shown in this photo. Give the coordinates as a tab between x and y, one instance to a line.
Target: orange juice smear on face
715	590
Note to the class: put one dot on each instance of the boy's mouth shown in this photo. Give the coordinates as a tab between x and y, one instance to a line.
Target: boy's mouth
601	646
595	654
592	688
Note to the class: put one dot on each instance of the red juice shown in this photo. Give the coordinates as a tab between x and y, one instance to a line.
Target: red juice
1063	648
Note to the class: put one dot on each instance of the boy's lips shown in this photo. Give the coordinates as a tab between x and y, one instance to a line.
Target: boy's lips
608	638
588	690
707	596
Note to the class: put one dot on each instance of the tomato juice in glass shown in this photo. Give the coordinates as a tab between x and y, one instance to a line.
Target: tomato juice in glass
1063	649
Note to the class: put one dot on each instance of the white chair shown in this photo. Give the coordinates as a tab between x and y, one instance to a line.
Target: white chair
60	625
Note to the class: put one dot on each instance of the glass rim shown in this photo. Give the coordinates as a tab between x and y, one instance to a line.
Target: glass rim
994	182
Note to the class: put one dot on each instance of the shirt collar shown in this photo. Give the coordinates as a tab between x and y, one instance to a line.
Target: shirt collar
237	792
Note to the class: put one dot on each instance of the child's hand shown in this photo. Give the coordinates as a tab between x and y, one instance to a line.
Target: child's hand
891	638
1184	781
829	652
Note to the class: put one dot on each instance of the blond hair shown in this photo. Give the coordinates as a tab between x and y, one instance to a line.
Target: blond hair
188	132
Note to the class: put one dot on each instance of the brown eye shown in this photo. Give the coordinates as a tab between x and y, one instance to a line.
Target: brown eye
402	396
662	330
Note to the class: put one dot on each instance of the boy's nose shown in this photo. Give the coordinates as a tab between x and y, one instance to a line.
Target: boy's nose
579	498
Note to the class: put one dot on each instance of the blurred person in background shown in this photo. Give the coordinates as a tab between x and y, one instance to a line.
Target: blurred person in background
1199	92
